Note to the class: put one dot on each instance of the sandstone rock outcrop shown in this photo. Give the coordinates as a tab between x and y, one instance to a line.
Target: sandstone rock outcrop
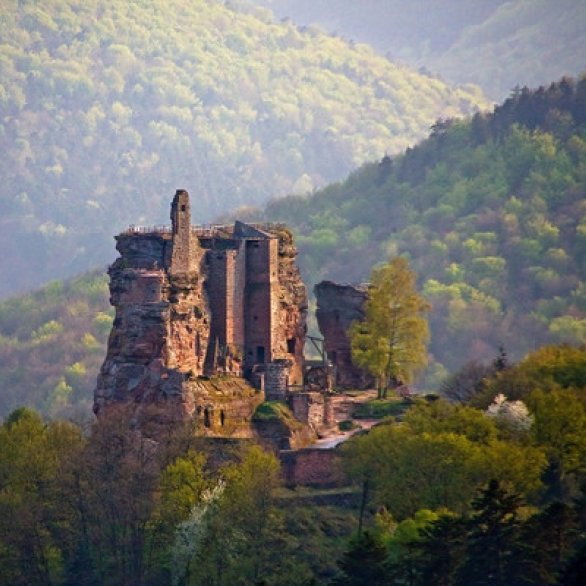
337	307
198	309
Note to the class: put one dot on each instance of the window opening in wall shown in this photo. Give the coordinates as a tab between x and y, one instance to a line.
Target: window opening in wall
222	417
183	208
260	354
206	417
291	345
333	356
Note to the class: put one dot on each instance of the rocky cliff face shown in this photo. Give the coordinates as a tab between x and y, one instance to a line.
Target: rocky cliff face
337	307
292	305
175	288
158	343
160	331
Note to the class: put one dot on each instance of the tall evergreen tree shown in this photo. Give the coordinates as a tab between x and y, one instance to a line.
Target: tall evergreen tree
362	563
441	550
546	541
493	538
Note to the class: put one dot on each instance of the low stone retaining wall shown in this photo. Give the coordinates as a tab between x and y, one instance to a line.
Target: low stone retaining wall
312	467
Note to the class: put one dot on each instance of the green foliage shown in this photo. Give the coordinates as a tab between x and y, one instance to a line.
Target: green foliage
391	340
492	43
438	457
106	105
560	427
34	523
546	369
51	345
363	563
492	539
490	213
379	408
442	417
346	425
270	410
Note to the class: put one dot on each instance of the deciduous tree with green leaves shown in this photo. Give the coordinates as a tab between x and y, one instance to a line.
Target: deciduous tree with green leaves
391	340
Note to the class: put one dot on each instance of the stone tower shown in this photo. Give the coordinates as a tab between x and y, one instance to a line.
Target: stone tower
183	256
196	302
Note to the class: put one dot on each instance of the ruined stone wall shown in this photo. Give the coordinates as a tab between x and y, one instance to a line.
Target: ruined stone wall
310	408
256	291
238	296
337	307
175	292
259	300
292	310
312	467
276	381
160	332
225	301
184	246
217	287
222	406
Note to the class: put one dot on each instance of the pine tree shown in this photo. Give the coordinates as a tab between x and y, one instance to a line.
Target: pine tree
493	538
546	541
441	550
362	564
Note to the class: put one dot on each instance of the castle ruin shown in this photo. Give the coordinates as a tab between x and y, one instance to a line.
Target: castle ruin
206	318
338	306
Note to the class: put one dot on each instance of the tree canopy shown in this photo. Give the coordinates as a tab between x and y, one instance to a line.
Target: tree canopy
496	44
391	340
106	107
490	213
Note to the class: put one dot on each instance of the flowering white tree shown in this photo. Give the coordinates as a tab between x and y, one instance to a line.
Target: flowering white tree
513	415
191	533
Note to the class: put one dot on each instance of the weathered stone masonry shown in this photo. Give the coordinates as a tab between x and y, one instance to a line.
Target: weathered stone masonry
337	307
199	302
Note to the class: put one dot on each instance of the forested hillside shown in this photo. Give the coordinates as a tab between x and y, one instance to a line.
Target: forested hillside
52	343
107	106
449	495
497	44
524	42
491	213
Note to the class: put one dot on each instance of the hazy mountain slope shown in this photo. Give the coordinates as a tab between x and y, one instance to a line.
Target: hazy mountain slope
497	44
405	28
521	43
492	214
52	343
107	106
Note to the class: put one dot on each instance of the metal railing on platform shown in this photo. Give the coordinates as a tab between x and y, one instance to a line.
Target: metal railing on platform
201	230
161	229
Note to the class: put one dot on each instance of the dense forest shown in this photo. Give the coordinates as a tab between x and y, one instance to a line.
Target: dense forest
497	44
106	107
52	343
491	213
450	494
